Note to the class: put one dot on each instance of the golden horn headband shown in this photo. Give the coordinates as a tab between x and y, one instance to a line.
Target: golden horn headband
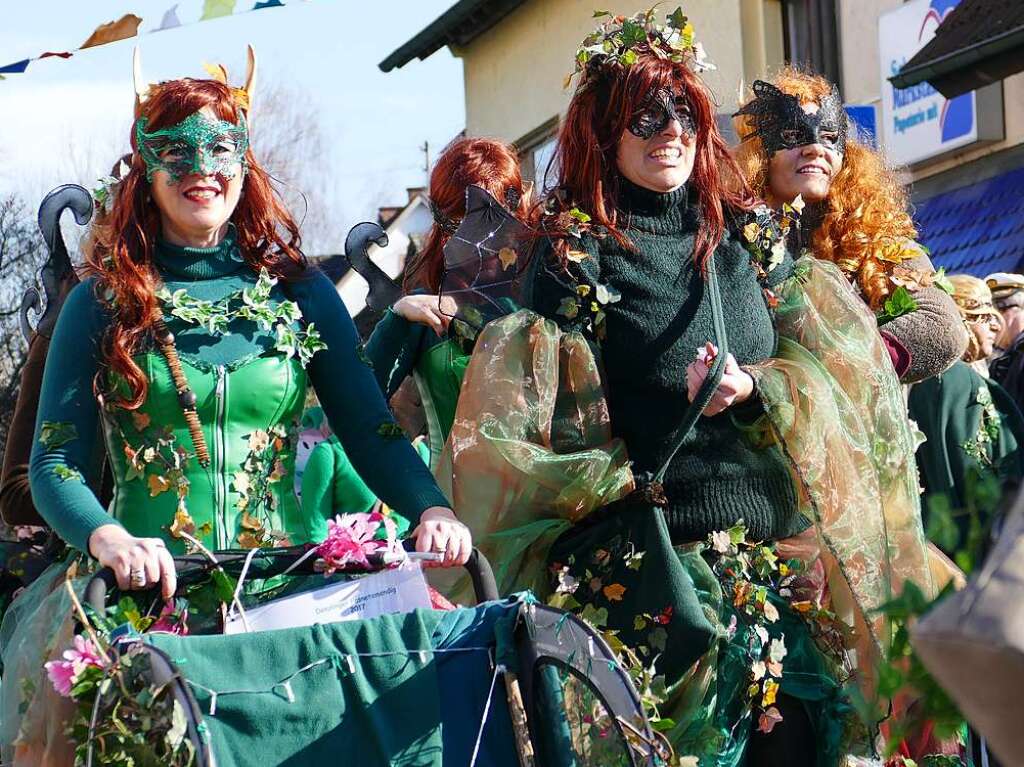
243	96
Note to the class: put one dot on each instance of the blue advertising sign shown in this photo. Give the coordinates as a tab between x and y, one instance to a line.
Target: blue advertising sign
919	122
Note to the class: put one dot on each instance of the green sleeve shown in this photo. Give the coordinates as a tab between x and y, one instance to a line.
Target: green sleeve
355	406
317	491
66	425
394	350
1007	454
945	408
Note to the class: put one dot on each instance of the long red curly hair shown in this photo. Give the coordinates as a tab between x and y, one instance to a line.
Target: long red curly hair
866	223
485	162
119	252
587	149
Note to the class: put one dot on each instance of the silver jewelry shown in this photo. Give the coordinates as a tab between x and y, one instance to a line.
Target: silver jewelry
137	577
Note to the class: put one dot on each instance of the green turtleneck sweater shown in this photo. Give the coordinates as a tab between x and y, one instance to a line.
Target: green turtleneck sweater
653	333
66	444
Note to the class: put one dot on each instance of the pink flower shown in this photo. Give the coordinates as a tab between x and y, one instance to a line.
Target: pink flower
352	537
62	676
707	354
172	619
64	673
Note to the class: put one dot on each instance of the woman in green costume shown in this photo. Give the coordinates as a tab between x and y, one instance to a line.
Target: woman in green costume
206	327
972	426
784	497
190	347
412	337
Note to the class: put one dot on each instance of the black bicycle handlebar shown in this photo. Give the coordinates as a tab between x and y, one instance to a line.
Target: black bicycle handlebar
485	588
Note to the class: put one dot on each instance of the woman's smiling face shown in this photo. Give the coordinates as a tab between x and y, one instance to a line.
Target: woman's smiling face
657	151
805	170
196	204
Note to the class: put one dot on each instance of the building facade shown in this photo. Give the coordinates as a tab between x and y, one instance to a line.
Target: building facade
955	155
517	53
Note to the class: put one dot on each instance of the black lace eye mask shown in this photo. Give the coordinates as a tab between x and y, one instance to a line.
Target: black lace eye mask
782	123
657	110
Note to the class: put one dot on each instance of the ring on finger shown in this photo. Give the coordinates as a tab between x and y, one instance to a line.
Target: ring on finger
137	577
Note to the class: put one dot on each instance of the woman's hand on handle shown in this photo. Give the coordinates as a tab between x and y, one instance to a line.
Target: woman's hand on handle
433	311
138	563
735	387
439	530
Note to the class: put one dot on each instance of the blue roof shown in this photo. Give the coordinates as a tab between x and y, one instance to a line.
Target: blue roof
977	229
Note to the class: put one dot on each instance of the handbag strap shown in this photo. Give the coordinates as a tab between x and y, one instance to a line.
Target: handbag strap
714	377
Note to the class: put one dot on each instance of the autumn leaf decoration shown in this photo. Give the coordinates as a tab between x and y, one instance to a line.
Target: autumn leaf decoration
255	483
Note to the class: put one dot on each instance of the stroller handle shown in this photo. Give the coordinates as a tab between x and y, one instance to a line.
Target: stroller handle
485	588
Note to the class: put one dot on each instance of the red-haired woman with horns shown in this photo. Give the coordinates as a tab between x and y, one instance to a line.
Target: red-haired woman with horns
190	346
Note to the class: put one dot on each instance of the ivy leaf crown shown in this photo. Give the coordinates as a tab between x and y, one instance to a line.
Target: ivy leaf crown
618	41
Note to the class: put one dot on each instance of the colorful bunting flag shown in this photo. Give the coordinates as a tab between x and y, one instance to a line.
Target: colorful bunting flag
214	9
125	27
16	68
128	26
170	20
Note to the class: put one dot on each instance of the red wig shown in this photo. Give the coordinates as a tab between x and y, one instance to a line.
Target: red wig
487	163
120	249
598	115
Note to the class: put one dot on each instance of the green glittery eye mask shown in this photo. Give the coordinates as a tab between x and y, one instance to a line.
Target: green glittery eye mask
198	145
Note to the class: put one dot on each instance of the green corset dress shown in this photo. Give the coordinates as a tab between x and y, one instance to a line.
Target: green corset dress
248	415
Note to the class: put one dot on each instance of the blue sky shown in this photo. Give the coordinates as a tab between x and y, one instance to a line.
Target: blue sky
65	121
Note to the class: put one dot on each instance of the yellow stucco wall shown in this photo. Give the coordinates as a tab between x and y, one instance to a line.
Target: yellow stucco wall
514	72
858	25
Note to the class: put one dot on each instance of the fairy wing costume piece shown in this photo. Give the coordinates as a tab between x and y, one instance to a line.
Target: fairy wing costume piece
484	263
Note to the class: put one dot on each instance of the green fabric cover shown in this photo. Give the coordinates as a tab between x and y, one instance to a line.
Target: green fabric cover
386	713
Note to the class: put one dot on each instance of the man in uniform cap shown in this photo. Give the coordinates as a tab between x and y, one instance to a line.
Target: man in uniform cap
1007	366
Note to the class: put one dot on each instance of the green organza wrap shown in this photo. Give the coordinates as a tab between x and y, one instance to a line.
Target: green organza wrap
516	484
835	404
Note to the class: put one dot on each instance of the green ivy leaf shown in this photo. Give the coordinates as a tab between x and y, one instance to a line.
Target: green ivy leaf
53	434
900	302
941	281
390	430
663	725
569	308
677	19
942	530
64	473
595	616
632	34
224	585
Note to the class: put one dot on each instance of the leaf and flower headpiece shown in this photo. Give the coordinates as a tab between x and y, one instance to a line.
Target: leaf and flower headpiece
618	41
243	97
